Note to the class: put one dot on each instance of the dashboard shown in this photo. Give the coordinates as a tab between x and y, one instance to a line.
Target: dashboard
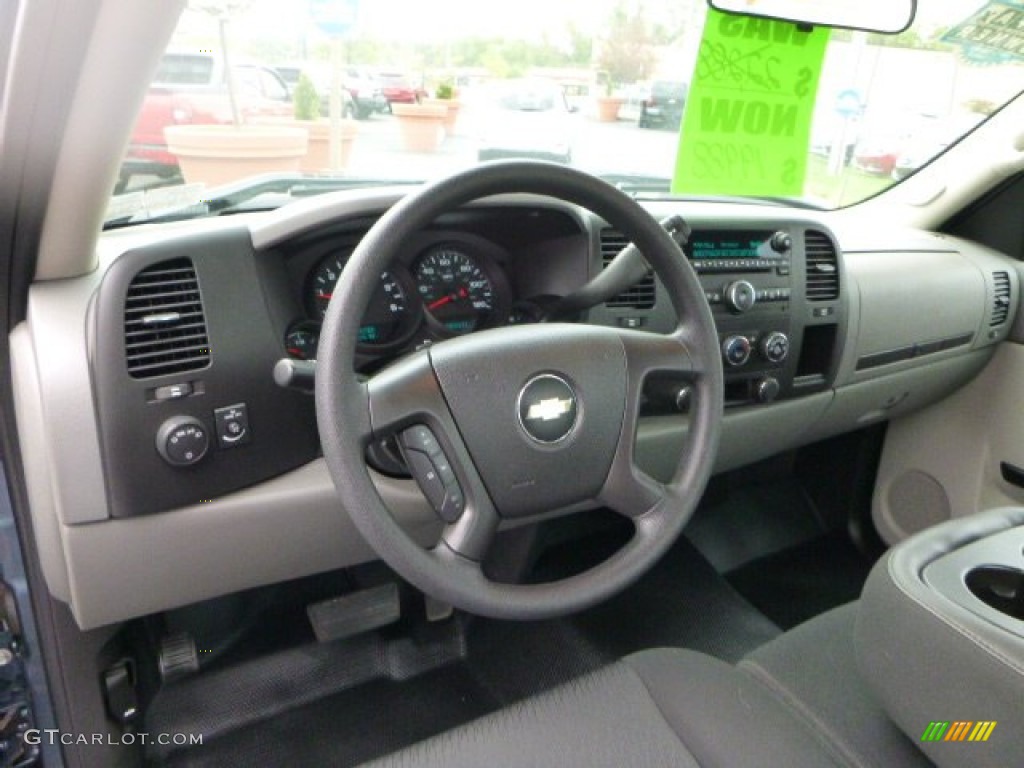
164	448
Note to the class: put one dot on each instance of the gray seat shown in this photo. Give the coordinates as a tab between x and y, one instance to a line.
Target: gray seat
797	701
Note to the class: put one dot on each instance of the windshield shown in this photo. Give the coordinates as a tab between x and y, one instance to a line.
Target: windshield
333	93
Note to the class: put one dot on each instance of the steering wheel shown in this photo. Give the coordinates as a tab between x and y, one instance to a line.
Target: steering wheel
525	419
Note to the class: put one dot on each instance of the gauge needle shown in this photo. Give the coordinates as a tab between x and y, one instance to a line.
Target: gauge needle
460	294
327	296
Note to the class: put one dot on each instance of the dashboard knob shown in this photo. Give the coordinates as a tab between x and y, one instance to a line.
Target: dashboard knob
781	242
767	389
182	441
736	350
740	296
775	347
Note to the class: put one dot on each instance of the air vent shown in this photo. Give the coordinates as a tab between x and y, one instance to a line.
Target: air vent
822	267
164	326
1000	298
639	296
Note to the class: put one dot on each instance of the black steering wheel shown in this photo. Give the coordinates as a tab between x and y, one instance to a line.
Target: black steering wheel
525	419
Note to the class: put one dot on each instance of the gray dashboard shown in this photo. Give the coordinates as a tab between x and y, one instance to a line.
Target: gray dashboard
124	533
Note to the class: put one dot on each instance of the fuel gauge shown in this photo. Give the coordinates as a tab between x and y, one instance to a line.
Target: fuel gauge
301	341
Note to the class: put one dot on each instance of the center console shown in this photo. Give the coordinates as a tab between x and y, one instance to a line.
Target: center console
940	638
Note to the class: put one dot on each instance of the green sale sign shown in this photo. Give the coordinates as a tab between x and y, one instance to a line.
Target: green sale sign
746	126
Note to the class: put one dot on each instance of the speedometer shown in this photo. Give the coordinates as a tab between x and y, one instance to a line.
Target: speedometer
455	288
388	319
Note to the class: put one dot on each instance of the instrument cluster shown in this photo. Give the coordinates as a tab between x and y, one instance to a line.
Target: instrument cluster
445	287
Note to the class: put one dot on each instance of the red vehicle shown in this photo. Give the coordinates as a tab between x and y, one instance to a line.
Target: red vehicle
396	89
191	88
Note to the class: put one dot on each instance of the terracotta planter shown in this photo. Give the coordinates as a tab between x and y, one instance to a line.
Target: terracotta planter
421	125
608	109
452	107
318	156
220	154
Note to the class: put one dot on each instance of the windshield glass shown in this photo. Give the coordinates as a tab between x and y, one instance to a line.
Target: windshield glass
333	93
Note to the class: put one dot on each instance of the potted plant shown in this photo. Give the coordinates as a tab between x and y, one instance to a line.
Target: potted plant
421	126
445	95
608	105
307	114
216	154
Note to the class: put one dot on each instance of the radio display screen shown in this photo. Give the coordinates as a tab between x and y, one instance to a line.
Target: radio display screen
730	244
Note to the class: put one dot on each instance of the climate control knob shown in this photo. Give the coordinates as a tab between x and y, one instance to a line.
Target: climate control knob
736	350
182	441
775	347
740	296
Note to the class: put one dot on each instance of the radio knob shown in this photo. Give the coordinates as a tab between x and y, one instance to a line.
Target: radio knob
775	347
767	389
781	242
740	296
736	350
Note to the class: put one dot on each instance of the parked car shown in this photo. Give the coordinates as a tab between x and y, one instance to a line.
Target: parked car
366	93
933	138
664	107
397	89
526	118
191	89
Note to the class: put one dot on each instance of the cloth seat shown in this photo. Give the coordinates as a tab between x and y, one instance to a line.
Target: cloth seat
794	702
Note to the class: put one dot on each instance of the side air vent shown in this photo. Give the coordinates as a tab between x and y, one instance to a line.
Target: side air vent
164	325
639	296
1000	298
822	267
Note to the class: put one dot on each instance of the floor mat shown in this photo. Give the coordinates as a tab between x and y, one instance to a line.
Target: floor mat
797	584
681	602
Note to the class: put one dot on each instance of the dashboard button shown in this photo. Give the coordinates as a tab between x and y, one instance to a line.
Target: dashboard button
172	391
232	425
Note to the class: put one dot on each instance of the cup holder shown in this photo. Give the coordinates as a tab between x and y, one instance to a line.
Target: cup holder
999	587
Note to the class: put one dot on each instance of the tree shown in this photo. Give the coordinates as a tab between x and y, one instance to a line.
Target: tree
627	54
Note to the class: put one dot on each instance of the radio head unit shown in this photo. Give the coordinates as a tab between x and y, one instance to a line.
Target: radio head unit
738	250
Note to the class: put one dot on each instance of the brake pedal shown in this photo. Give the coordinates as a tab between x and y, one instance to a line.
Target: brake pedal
355	613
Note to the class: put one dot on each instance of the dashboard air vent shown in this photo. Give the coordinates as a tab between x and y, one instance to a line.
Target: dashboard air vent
639	296
164	325
1000	298
822	267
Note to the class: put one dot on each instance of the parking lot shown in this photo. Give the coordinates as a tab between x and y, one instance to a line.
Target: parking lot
619	147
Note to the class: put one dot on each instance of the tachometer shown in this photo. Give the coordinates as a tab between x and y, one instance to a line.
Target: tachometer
387	319
455	288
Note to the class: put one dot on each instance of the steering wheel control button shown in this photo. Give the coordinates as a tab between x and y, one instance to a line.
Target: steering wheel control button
232	425
427	477
182	441
433	472
740	296
775	347
736	350
548	408
420	438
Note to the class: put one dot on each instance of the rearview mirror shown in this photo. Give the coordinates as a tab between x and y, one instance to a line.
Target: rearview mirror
886	16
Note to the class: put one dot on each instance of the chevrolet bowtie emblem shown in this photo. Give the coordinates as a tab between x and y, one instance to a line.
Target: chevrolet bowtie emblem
549	410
